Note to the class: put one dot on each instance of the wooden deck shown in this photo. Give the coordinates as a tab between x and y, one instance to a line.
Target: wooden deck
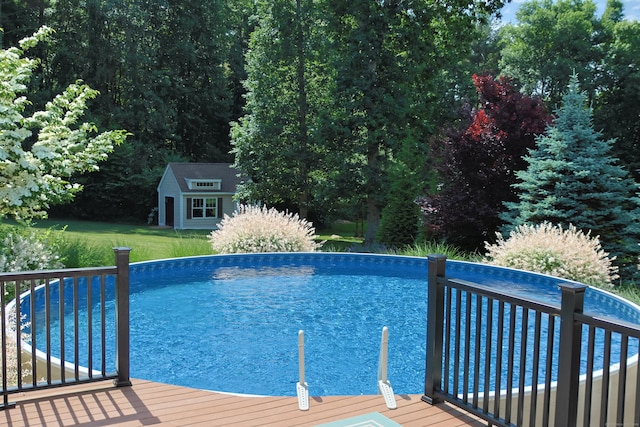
148	403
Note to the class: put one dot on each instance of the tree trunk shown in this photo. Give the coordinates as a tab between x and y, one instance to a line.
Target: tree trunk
373	220
373	187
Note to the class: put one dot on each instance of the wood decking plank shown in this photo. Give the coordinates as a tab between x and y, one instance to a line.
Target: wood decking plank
148	403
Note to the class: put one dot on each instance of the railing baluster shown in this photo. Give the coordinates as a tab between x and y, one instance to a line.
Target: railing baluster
476	360
47	326
34	326
467	344
61	286
524	327
3	350
447	339
510	361
498	387
18	322
487	356
622	379
536	367
604	406
456	348
588	390
548	372
103	327
90	326
76	331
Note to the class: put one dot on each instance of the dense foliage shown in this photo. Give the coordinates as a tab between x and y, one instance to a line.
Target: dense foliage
572	178
278	142
336	90
552	40
478	163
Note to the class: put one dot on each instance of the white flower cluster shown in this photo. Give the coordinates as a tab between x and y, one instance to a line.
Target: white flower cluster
26	252
258	229
546	248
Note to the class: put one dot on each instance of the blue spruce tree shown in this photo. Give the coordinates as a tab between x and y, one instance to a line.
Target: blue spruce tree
572	178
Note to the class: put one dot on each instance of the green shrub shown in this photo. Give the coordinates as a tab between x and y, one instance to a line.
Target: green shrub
77	253
430	248
549	249
258	229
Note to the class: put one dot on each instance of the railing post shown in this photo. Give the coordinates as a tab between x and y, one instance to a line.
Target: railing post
122	317
569	354
435	328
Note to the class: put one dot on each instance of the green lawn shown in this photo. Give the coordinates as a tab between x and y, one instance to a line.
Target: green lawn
152	242
146	242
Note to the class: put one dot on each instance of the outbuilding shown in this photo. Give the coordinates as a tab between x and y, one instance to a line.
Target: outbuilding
196	195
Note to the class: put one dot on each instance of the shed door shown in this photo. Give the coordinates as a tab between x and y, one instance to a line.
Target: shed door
168	209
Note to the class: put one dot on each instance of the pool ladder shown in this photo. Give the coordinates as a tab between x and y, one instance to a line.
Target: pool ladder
384	386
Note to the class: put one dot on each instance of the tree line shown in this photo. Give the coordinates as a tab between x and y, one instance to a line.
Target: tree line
336	108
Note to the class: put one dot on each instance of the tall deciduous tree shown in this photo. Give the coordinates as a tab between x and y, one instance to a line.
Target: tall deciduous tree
59	144
572	178
478	164
616	106
550	41
278	142
389	57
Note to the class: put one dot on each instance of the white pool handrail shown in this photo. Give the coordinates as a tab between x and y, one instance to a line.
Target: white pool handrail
302	389
384	386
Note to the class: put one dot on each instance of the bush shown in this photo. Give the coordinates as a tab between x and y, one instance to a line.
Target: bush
433	247
77	253
258	229
545	248
24	249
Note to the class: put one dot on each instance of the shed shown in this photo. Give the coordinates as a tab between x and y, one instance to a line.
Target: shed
196	195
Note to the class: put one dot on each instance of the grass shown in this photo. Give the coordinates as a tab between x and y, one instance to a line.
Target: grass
89	243
92	242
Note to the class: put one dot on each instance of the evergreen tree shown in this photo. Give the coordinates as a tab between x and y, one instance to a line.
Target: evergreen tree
572	178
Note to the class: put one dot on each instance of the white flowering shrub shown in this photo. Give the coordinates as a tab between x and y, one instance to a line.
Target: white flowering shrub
23	249
258	229
546	248
61	146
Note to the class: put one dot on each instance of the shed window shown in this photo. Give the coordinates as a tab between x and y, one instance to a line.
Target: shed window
204	207
204	184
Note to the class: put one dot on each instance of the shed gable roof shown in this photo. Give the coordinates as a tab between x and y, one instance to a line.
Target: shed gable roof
206	171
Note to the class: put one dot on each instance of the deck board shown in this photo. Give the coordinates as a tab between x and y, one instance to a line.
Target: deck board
148	403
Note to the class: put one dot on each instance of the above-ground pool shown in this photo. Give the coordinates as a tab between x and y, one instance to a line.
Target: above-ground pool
230	322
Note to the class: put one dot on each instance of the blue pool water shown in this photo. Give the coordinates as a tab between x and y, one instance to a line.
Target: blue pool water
230	323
